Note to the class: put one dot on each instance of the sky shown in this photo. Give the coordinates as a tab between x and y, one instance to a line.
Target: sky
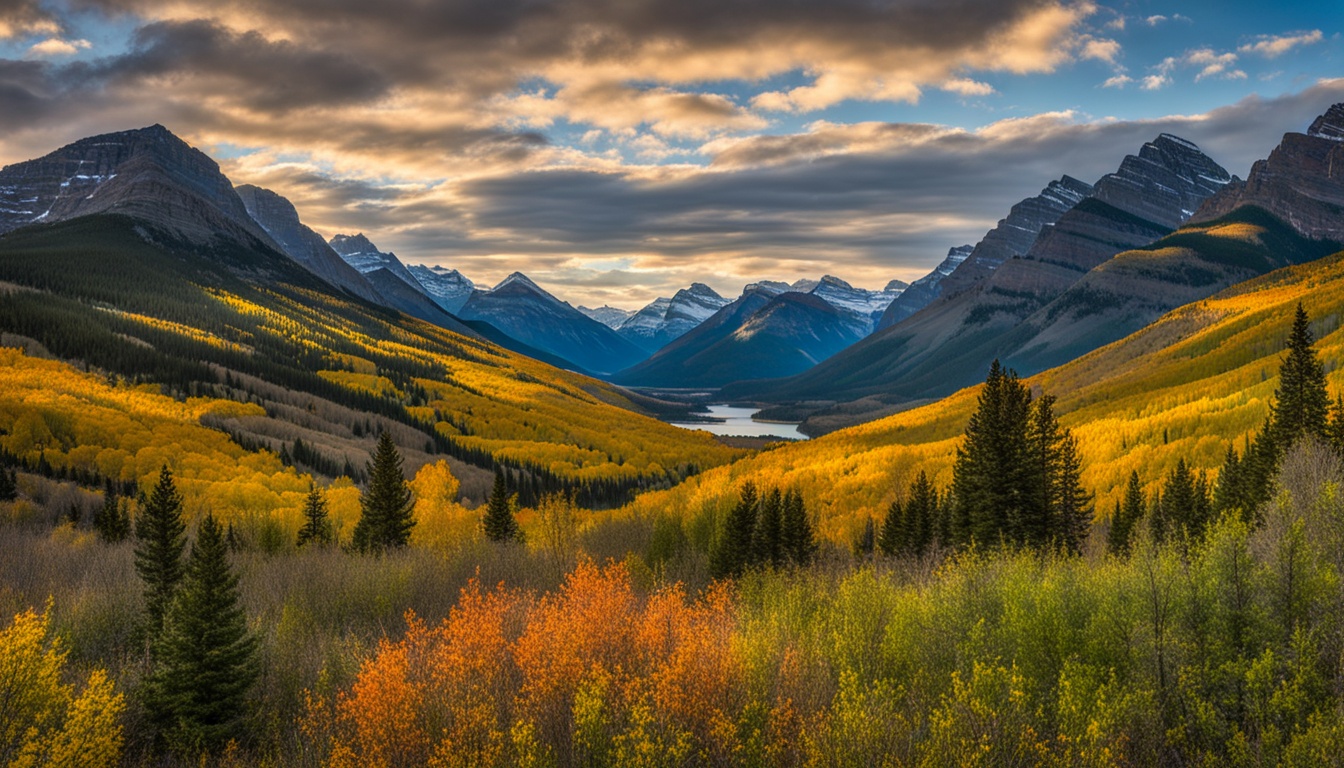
618	150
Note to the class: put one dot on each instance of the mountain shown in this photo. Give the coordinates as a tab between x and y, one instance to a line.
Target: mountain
365	257
148	173
521	309
865	306
923	291
1012	237
664	320
612	317
278	217
449	288
948	344
762	333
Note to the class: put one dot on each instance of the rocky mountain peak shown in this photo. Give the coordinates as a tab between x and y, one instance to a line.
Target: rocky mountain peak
1165	183
1329	125
350	244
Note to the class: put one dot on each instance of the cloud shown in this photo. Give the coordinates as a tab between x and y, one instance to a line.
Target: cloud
1101	50
1272	47
54	46
967	87
1156	82
1155	19
1213	64
21	18
1117	81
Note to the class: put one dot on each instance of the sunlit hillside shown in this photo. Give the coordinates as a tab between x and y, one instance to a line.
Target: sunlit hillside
315	367
1181	388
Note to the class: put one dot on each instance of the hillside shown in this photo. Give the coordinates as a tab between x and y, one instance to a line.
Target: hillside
243	323
1183	387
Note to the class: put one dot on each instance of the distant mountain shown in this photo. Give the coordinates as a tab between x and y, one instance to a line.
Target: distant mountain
923	291
950	343
612	317
147	173
864	306
665	320
278	217
521	309
365	257
764	332
447	287
1013	236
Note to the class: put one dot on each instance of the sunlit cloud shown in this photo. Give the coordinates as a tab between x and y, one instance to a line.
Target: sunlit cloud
1274	46
54	46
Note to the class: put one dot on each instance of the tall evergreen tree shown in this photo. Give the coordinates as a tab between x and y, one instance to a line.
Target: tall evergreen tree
768	533
385	520
798	541
161	537
1041	513
892	539
316	522
1127	515
1183	508
1075	510
732	554
500	523
1334	430
1301	404
987	479
206	660
112	521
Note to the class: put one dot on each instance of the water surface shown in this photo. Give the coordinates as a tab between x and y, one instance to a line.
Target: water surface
739	421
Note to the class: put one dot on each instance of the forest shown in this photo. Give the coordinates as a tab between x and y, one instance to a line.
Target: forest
235	611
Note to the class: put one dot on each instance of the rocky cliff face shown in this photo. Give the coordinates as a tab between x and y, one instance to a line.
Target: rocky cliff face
365	257
448	288
148	173
278	217
923	291
664	320
1301	182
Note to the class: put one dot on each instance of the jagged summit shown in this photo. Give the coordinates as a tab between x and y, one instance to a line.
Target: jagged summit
356	243
448	288
359	252
1329	125
519	281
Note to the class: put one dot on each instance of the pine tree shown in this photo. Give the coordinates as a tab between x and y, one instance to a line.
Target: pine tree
317	523
892	539
1128	514
1229	493
922	513
1075	509
158	556
500	523
1334	431
799	544
866	543
9	487
767	535
206	660
1184	507
385	520
1041	511
1301	404
112	521
733	553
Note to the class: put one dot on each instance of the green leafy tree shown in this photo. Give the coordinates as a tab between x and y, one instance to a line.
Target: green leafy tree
733	552
316	522
206	660
161	537
500	522
1127	515
385	520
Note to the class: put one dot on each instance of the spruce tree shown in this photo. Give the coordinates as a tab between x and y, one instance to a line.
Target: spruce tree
733	553
112	521
1075	510
1334	430
9	487
1041	519
500	524
892	539
768	532
206	660
992	462
161	536
316	522
1301	404
385	520
798	541
866	543
1128	515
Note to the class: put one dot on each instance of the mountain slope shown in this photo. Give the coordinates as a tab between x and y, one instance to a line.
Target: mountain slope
448	288
1183	387
612	317
948	344
521	309
364	256
665	320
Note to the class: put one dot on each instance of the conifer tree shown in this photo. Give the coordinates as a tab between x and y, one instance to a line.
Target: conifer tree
112	521
500	523
733	553
1075	510
206	660
316	522
768	532
1041	513
1183	508
798	541
1334	430
1229	492
866	543
1128	514
1301	404
892	539
385	520
9	487
161	536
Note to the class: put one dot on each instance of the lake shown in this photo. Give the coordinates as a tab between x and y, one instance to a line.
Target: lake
738	421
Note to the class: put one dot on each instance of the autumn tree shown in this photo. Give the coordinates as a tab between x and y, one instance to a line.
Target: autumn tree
500	522
733	552
161	537
385	519
316	522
